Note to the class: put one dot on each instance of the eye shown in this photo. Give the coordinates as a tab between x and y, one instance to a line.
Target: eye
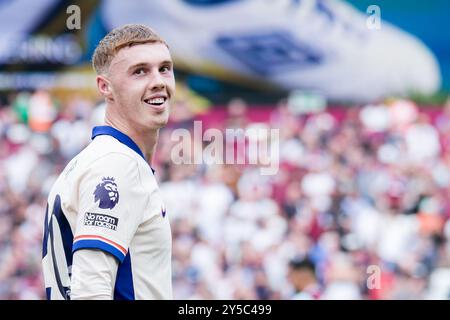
139	71
165	69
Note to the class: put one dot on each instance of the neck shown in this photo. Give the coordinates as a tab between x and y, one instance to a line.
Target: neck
145	139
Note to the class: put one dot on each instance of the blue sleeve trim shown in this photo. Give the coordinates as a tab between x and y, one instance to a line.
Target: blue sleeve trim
97	244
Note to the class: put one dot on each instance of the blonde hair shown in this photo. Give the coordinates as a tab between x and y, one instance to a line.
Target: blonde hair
118	38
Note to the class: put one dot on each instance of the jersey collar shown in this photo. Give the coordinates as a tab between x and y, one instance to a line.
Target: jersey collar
122	137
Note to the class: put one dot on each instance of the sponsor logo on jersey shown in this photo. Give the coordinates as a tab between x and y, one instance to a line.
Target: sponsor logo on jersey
100	220
163	212
106	193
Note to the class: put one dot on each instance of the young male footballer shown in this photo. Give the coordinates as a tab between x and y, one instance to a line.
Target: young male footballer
106	234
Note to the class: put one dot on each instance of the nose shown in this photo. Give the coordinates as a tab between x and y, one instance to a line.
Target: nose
157	82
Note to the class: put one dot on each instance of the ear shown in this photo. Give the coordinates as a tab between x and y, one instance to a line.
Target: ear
104	87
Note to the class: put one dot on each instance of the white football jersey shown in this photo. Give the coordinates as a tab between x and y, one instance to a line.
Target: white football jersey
107	198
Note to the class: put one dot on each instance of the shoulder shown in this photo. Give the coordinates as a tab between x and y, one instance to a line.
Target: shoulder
104	145
113	181
106	153
105	159
115	166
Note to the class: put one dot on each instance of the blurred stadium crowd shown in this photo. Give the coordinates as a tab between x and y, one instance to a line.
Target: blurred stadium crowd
357	187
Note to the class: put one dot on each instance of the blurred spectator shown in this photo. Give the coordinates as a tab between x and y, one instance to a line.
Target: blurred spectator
302	275
356	187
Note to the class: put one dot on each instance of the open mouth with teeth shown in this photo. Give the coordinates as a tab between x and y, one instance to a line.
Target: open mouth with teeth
155	101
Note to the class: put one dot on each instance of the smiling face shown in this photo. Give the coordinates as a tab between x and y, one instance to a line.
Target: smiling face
139	84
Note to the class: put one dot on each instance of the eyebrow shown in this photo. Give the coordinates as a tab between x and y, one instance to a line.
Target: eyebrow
146	64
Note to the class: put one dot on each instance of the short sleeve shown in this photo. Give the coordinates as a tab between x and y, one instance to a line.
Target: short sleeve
111	203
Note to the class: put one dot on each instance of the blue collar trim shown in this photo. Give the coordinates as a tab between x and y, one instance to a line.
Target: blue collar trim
122	137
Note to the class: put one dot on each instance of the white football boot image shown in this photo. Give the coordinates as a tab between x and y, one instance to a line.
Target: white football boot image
321	45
